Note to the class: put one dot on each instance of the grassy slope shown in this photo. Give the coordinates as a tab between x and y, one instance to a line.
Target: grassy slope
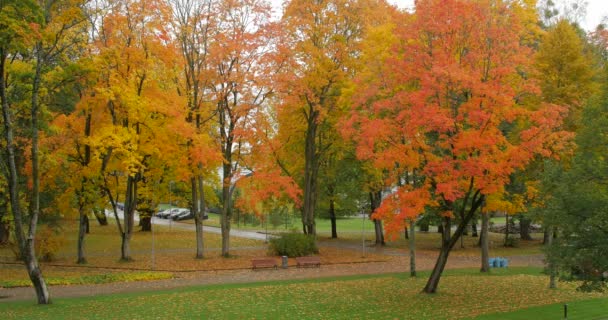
464	293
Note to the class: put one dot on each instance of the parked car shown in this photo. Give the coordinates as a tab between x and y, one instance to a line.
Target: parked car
162	212
167	213
188	215
184	215
177	212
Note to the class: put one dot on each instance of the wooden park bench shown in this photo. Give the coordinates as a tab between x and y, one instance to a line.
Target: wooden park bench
263	263
313	261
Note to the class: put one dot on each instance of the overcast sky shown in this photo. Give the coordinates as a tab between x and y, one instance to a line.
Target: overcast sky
596	10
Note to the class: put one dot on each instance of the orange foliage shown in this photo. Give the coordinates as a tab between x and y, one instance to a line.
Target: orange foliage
456	81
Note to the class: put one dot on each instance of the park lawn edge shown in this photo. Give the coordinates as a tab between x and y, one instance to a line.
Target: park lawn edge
587	309
93	279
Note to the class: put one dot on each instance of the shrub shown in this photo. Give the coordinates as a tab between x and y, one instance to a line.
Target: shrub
512	242
48	242
293	245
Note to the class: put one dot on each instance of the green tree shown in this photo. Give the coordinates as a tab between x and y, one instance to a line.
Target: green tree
577	206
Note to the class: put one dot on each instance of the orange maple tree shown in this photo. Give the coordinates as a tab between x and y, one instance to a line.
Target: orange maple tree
451	113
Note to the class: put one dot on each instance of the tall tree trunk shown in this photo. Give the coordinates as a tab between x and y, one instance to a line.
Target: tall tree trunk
485	242
551	266
82	227
375	200
198	218
412	245
406	233
4	232
524	228
332	217
442	259
448	241
226	205
311	169
129	221
507	231
474	228
4	224
379	231
26	244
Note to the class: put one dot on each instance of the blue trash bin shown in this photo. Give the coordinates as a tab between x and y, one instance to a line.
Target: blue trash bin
497	262
502	262
491	262
506	262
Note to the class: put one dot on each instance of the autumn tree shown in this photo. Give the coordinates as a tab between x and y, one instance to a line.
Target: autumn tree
196	28
321	40
238	85
460	76
135	95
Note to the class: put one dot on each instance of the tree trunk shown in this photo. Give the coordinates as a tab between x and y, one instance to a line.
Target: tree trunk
82	227
311	170
485	243
101	217
332	217
145	222
424	226
129	221
439	228
448	241
379	241
442	259
546	236
551	266
474	228
506	229
26	244
375	200
198	220
524	228
412	245
5	231
406	233
226	208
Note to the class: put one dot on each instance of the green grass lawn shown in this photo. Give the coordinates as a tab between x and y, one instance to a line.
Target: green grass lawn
592	309
463	294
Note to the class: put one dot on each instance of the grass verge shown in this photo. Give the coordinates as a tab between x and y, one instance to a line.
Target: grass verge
91	279
463	294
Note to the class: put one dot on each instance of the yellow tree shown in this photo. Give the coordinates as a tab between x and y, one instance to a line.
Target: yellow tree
135	91
320	46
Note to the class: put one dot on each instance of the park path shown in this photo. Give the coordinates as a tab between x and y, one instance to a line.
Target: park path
188	226
398	262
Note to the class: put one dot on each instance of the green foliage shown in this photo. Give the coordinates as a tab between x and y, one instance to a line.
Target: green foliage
293	245
512	242
577	208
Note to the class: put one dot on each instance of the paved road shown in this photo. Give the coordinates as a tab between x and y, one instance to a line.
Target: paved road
187	226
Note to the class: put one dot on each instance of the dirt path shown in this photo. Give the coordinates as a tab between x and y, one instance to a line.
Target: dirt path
399	262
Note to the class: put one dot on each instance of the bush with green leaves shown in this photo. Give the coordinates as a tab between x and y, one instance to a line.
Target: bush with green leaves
293	245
